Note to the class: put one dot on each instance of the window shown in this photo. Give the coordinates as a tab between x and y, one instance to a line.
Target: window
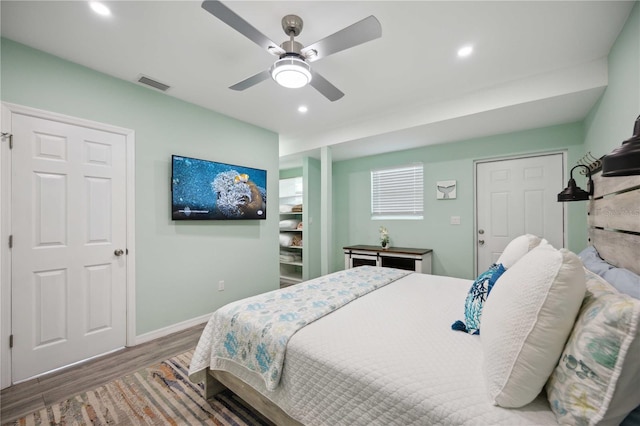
397	193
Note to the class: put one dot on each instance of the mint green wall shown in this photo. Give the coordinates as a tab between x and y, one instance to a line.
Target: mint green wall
290	173
611	120
606	126
178	264
453	245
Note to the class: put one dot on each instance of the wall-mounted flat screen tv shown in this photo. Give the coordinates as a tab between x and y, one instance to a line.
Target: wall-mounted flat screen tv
208	190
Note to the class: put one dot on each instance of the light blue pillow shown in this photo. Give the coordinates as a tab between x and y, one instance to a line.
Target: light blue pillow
476	297
624	281
593	262
621	279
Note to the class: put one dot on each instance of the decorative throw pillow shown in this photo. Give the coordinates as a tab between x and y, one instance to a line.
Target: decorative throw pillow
597	380
526	322
476	297
517	248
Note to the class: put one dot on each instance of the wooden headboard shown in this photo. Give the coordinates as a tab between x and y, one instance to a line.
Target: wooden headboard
614	220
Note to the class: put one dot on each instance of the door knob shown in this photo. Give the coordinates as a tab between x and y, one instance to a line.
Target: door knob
480	231
481	242
118	252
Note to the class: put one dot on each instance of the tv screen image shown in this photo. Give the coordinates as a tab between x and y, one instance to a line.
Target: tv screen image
209	190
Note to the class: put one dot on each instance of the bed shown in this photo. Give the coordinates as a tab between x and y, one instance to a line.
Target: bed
388	354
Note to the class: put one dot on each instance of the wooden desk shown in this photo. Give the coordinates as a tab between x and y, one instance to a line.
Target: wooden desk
413	259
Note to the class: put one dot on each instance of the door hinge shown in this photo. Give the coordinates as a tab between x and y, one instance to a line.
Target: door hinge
10	136
10	241
11	341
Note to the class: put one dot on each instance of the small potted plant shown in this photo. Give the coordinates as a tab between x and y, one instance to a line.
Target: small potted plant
384	237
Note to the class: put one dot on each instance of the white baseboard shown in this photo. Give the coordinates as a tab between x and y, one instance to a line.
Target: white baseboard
152	335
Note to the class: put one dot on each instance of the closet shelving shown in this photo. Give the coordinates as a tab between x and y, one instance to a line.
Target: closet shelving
291	231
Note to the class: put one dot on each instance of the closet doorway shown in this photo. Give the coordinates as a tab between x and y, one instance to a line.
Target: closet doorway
68	214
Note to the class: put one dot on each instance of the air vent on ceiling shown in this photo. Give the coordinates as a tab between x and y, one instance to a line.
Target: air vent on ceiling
153	83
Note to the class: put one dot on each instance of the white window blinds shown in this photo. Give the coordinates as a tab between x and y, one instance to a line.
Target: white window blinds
397	193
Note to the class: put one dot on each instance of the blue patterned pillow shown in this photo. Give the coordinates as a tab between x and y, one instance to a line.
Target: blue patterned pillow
478	294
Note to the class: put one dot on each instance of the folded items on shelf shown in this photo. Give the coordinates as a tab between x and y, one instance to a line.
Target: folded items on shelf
287	256
289	224
286	239
290	239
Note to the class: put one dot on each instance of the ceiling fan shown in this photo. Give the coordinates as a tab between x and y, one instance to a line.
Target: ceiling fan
292	68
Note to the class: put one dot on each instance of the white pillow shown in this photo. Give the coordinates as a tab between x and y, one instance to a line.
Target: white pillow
526	322
517	248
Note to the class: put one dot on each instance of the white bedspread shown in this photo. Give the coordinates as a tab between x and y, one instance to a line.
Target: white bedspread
391	358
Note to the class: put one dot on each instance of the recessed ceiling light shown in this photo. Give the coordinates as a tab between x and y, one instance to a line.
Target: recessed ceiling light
99	8
465	51
303	109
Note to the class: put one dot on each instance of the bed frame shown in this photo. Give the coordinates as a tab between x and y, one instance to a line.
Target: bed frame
218	381
614	230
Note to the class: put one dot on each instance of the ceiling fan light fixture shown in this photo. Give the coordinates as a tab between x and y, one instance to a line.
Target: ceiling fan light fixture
291	72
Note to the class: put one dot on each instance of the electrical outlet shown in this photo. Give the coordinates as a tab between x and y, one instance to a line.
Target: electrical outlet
221	285
455	220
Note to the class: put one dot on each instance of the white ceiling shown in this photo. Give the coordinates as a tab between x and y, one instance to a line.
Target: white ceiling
535	63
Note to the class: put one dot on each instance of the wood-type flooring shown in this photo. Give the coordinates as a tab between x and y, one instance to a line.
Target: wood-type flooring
26	397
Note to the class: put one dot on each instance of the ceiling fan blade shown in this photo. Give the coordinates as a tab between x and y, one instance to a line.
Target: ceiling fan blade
323	86
251	81
229	17
361	32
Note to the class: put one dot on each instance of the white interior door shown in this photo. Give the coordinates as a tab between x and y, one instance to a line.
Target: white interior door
68	222
515	197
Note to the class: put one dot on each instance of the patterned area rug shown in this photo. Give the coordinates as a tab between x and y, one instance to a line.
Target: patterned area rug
158	395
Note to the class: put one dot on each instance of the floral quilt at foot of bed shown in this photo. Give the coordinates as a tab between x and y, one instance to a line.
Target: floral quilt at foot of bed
254	332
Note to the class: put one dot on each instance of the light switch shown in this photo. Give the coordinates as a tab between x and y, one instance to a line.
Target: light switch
455	220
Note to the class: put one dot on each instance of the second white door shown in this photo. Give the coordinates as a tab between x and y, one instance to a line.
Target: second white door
515	197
